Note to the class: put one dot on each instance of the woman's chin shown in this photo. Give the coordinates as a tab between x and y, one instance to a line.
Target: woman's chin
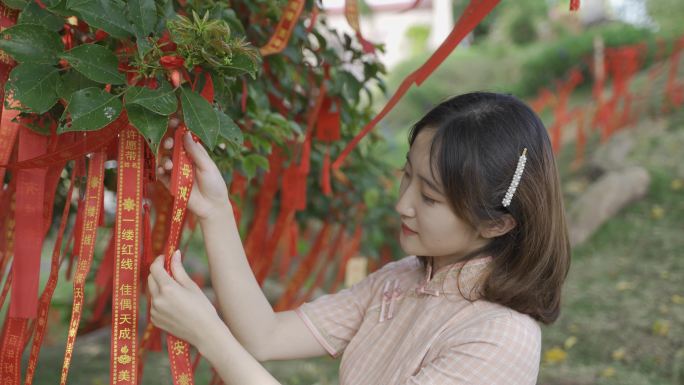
406	244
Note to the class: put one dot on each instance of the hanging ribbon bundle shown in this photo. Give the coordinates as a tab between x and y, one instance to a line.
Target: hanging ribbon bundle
328	130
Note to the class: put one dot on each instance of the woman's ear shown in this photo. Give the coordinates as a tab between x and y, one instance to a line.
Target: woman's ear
498	227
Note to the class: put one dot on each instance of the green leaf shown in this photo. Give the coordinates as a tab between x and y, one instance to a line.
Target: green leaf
199	116
31	43
143	15
144	46
72	81
160	101
152	126
228	129
58	7
34	14
92	109
107	15
240	65
34	85
51	3
15	4
96	63
371	196
251	161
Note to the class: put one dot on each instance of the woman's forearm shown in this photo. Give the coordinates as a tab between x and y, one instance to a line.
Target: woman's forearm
232	362
241	301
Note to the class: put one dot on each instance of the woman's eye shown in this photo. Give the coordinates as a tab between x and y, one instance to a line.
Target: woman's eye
428	200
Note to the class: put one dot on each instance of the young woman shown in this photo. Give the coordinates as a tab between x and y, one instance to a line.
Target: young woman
484	229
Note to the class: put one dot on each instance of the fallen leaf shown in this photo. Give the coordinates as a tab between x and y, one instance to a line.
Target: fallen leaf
657	212
555	355
619	354
624	285
661	327
678	299
608	372
570	342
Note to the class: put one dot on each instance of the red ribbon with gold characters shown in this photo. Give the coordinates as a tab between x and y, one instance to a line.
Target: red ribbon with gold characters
182	178
46	297
26	262
283	31
125	290
86	248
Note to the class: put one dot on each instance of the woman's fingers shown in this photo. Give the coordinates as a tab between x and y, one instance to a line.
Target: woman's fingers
159	273
168	143
152	285
179	272
197	153
163	177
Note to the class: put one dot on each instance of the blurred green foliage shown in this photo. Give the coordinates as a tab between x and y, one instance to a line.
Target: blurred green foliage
667	14
550	61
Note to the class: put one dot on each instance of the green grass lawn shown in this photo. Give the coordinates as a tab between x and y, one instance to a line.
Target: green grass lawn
624	298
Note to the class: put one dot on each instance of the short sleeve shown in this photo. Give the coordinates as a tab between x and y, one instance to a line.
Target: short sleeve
502	350
335	318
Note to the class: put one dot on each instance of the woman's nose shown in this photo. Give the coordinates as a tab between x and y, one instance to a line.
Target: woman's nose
404	206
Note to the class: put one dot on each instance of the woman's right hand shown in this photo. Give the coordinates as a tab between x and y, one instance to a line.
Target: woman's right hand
209	193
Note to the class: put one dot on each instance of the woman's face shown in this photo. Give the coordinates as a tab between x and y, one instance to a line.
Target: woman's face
438	232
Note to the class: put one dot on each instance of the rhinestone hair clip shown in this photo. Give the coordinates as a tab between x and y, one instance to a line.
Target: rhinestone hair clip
516	179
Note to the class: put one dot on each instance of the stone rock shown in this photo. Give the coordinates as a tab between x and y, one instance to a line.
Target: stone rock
603	199
613	155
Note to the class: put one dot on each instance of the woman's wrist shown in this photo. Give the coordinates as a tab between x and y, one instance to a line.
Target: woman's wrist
218	213
213	339
233	362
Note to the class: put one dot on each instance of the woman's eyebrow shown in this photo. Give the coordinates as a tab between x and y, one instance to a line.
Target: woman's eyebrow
425	180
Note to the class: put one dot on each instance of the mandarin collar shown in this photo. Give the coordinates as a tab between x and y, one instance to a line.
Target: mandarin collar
446	279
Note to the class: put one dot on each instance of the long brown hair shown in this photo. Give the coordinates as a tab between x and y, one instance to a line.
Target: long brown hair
478	140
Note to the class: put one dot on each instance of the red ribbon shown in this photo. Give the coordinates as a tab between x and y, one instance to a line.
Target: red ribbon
283	31
91	141
181	187
125	290
473	14
86	248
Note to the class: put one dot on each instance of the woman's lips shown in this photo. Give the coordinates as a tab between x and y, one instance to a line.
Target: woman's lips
406	230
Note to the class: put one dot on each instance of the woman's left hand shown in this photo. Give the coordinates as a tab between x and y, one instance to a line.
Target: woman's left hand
179	306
